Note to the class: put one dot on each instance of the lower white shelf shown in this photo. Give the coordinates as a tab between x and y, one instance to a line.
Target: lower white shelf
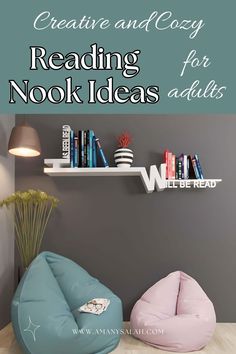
155	180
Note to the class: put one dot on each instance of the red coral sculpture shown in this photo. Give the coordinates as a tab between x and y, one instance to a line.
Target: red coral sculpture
124	140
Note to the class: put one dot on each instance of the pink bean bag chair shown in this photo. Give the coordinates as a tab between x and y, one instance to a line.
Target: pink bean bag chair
175	314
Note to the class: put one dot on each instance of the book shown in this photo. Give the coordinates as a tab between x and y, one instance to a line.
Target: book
185	167
166	162
199	167
71	148
180	167
75	155
91	135
85	148
89	142
81	148
95	306
66	141
176	168
191	168
195	168
88	147
94	152
169	165
105	163
173	172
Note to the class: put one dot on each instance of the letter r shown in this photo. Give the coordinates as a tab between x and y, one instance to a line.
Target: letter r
38	53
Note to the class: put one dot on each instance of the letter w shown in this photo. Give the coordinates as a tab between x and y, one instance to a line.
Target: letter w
156	179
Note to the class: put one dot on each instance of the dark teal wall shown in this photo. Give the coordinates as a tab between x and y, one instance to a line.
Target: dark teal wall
129	239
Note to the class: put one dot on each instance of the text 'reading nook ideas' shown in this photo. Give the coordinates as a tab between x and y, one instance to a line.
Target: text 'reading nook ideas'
97	58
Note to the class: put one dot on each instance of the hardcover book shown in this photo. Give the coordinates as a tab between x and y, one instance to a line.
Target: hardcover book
185	167
173	172
66	142
169	165
71	148
81	148
94	150
195	168
75	157
191	168
91	135
85	149
180	167
104	160
199	167
166	162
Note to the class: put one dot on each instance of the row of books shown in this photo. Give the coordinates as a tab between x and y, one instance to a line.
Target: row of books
81	148
183	166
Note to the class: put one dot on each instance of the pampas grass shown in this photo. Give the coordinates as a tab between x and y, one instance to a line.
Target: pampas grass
31	210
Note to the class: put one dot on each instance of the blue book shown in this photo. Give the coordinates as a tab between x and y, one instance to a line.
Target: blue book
104	160
87	148
72	148
94	151
194	162
90	152
199	167
81	142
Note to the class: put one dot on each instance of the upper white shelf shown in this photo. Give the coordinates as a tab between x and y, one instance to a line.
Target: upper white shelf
155	180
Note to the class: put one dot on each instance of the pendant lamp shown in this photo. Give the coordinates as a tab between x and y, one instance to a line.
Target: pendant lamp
24	141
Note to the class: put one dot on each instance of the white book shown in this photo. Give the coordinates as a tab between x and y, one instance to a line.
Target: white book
66	129
95	306
185	167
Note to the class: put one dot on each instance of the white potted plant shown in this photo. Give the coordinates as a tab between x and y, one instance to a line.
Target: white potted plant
123	155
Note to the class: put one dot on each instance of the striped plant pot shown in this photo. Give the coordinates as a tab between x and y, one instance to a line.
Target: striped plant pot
123	157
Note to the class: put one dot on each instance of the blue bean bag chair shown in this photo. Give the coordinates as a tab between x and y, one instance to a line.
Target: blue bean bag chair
45	314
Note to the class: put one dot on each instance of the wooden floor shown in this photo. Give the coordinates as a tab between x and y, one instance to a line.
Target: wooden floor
223	342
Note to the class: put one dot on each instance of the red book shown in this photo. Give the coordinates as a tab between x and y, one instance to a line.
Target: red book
166	162
173	170
169	164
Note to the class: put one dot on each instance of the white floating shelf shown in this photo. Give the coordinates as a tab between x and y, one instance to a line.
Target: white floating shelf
155	180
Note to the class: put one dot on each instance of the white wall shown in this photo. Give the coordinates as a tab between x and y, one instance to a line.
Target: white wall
7	186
